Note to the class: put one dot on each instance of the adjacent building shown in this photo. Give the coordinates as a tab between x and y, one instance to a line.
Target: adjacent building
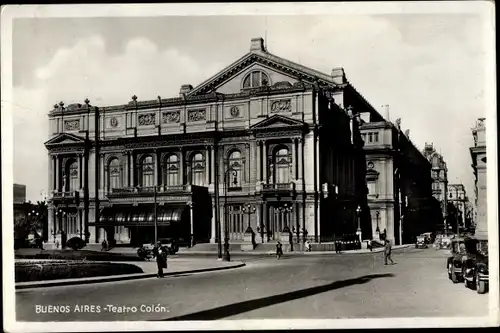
457	198
478	155
399	182
439	175
265	147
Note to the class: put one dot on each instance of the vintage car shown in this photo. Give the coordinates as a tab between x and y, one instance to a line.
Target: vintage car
421	242
475	267
455	260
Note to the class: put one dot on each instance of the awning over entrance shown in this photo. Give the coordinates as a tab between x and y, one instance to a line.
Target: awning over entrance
116	216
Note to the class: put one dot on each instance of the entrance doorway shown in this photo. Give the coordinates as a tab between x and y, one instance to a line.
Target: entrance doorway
279	220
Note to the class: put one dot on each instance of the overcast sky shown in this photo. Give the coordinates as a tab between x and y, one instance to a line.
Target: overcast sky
429	68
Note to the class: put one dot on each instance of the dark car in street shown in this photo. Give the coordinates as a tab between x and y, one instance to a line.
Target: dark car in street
455	260
421	242
475	270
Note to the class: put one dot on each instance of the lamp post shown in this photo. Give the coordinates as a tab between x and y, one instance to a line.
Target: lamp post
285	210
226	256
249	209
358	232
377	231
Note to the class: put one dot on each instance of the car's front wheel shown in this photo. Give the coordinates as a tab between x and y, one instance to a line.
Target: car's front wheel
454	276
482	287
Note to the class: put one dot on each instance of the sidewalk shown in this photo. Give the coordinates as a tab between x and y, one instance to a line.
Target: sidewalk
176	266
187	252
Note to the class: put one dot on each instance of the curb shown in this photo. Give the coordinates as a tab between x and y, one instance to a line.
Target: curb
112	278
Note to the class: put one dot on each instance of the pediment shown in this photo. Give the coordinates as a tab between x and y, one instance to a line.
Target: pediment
65	139
229	80
277	122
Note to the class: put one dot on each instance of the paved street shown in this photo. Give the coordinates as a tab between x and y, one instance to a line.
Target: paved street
326	286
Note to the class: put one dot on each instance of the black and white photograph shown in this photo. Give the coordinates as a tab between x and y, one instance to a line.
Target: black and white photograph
249	166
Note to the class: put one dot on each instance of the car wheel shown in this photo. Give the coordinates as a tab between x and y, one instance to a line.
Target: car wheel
454	277
482	287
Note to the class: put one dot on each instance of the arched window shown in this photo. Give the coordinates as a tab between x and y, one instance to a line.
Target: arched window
114	174
74	180
147	171
171	170
255	79
282	166
198	169
235	162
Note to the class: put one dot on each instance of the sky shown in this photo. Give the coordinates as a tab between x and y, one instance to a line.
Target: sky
429	68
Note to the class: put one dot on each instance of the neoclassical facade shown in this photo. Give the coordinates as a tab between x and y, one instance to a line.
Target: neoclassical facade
267	145
478	156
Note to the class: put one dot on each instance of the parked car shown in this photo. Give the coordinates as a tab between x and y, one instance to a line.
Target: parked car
475	267
171	244
421	242
455	260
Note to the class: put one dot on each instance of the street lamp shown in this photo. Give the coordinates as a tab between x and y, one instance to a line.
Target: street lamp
358	232
249	209
285	210
377	231
226	185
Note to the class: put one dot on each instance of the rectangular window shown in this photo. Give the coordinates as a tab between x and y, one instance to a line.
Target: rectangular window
375	137
370	137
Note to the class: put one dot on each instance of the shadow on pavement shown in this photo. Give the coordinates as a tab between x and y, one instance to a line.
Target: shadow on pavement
241	307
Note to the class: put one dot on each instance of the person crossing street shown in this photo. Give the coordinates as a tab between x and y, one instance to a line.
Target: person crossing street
161	259
387	252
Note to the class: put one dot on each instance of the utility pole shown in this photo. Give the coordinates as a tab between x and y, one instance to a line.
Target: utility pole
155	218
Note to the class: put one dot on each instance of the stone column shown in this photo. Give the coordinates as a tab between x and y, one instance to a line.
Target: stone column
301	157
101	173
259	160
58	175
80	174
181	168
294	160
132	169
207	169
126	169
247	161
264	161
212	165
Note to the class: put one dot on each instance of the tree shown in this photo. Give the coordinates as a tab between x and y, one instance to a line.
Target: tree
30	218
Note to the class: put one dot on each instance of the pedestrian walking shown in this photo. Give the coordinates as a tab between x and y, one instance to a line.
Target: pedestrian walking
337	245
104	245
307	246
161	259
279	250
370	246
387	252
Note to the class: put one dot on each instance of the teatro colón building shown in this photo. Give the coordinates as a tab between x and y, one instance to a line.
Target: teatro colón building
264	150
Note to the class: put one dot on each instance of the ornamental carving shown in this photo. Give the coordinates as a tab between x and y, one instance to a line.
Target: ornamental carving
171	117
282	105
147	119
235	112
72	125
113	122
197	115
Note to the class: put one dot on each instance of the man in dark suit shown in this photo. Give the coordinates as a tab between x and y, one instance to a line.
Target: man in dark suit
161	259
387	252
